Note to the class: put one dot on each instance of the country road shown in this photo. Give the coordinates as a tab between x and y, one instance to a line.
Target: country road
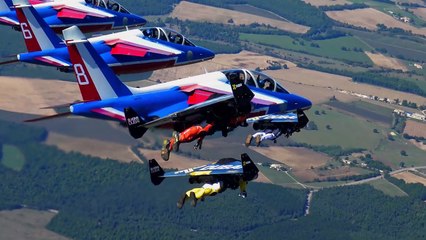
381	176
316	189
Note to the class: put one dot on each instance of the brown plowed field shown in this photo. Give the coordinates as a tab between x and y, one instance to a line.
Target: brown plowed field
27	95
414	128
369	18
420	12
200	13
409	177
386	62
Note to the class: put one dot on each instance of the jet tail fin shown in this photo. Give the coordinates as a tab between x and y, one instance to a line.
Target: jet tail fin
250	170
242	94
134	123
96	80
156	172
37	34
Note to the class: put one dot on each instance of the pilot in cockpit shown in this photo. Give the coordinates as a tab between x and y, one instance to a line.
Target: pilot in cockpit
242	77
267	84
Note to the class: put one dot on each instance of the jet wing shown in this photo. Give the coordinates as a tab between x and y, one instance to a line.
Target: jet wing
221	167
225	166
233	167
275	118
192	110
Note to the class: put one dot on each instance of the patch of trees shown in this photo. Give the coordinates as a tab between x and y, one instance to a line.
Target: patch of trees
385	1
353	212
323	33
397	31
398	123
417	138
344	7
412	5
16	134
409	104
220	32
389	82
414	190
372	78
332	150
373	164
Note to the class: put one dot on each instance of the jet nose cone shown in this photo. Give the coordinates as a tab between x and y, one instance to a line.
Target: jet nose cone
136	20
140	21
300	103
205	54
305	103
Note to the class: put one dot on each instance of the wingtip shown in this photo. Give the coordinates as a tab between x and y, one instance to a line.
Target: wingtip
20	3
73	33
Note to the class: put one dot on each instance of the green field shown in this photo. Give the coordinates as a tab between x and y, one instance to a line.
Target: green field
346	131
383	111
279	178
388	188
331	48
409	48
386	7
13	158
389	152
372	112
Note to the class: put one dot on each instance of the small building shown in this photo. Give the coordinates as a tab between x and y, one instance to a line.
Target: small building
405	19
417	116
418	66
399	112
278	167
348	162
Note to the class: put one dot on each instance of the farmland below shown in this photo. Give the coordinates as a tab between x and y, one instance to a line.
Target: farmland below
81	178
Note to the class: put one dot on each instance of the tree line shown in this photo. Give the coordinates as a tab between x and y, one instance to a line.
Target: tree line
105	199
372	78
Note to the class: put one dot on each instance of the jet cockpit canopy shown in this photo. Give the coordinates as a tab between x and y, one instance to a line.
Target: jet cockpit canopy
256	79
108	4
166	34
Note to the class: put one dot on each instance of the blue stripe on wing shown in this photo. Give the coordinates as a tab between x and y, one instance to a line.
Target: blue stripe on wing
289	117
234	167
